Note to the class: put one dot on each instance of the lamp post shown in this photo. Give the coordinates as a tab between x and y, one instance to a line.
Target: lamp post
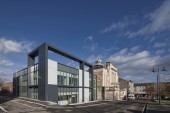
158	80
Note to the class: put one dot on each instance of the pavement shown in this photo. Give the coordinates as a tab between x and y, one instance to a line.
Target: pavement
21	105
158	108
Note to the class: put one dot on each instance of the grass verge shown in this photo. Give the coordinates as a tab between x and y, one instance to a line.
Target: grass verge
165	101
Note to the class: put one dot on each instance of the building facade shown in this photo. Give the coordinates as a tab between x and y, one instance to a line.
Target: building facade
107	81
126	87
50	80
148	90
140	88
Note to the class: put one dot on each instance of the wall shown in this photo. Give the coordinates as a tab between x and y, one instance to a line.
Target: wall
123	94
51	87
52	72
107	77
86	84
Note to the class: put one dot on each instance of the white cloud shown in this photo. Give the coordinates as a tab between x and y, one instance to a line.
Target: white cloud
159	21
151	39
157	45
159	51
135	48
128	57
123	51
73	64
119	25
89	38
90	44
167	78
93	58
165	61
5	77
4	63
160	17
137	79
137	66
13	46
114	26
133	63
93	47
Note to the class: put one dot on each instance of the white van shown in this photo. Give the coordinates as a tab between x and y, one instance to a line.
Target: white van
131	97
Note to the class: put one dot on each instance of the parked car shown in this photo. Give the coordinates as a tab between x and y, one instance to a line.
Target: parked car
167	98
154	99
131	97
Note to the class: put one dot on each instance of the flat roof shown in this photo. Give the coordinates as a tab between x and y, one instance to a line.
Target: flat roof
61	52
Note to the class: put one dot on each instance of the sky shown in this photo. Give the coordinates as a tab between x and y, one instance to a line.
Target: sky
133	35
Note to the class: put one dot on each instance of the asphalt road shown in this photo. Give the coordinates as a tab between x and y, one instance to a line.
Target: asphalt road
21	106
155	108
112	107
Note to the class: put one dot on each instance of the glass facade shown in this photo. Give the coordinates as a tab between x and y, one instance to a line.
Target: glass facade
69	93
69	88
28	81
68	79
23	82
33	81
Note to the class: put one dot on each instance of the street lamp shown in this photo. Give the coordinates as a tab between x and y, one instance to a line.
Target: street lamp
158	80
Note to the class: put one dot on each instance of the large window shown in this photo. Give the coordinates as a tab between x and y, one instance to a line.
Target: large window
67	79
22	82
69	94
33	75
34	93
27	78
67	76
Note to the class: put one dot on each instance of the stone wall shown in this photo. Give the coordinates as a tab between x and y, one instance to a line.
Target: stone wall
109	95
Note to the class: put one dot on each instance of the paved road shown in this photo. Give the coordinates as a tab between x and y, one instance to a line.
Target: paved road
113	107
155	108
21	106
14	106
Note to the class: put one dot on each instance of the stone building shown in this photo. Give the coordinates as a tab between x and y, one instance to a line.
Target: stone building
126	87
150	89
107	81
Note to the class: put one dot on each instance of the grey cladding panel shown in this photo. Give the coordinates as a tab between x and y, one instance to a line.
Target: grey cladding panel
67	69
42	69
52	93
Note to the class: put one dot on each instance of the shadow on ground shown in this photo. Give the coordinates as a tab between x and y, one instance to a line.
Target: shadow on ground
4	99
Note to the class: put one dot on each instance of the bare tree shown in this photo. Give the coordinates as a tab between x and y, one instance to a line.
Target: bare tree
1	82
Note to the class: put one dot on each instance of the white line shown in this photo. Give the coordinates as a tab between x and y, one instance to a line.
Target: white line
84	102
143	108
3	109
90	105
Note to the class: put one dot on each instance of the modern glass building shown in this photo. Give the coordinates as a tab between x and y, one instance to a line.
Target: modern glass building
49	80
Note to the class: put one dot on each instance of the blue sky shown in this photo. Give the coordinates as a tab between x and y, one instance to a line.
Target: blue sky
133	35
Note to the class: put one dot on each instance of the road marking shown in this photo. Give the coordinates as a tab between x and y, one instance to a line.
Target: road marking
144	110
3	109
68	110
90	105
